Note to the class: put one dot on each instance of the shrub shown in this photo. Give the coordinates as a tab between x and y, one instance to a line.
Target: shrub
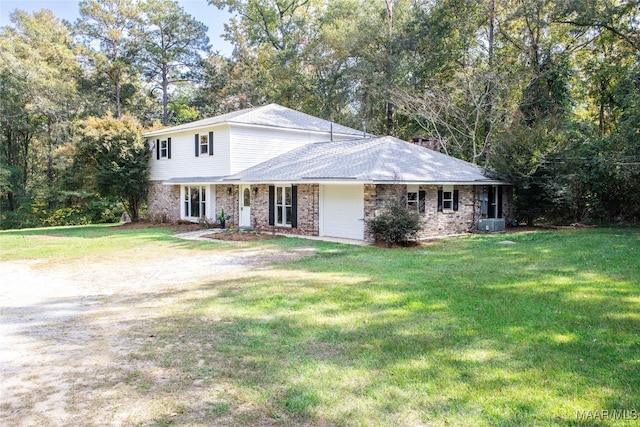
395	225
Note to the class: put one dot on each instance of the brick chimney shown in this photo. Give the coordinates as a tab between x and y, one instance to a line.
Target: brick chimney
427	142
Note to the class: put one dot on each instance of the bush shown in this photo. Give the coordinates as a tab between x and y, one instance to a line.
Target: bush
395	225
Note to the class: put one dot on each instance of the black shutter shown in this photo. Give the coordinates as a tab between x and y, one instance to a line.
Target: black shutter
499	208
157	149
439	200
168	148
456	196
491	211
422	201
294	206
197	143
211	143
272	205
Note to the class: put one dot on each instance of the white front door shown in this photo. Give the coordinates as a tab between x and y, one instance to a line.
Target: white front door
245	206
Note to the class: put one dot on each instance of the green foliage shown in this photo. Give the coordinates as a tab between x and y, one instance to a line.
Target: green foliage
370	336
117	158
559	76
171	43
396	224
181	112
37	80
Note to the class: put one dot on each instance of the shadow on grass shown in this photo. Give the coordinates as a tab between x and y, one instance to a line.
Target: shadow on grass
464	332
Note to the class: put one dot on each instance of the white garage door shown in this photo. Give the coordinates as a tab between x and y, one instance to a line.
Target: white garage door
342	211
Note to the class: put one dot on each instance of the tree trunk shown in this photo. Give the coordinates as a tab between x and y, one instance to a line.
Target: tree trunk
165	94
389	107
118	107
486	138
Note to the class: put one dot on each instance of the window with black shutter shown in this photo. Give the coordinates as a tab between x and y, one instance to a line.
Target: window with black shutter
448	199
163	149
416	199
283	209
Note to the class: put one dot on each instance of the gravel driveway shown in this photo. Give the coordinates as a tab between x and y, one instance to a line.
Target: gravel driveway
66	327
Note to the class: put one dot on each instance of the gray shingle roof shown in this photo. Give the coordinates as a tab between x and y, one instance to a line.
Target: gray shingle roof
272	115
384	159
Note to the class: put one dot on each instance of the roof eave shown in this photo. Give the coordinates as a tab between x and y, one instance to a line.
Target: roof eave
187	128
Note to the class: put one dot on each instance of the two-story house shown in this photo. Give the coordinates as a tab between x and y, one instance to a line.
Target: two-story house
273	168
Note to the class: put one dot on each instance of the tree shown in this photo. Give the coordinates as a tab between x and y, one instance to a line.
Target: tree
38	74
460	93
173	46
463	115
272	60
110	22
116	160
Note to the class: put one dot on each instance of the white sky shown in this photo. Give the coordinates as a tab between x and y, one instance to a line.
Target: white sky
211	16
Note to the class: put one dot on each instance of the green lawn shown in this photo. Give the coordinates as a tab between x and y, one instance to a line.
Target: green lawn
467	331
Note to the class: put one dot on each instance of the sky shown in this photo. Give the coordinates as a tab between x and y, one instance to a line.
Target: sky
211	16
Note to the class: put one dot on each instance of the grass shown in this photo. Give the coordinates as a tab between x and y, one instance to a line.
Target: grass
467	331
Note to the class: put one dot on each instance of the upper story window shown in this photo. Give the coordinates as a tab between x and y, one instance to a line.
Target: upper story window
204	144
163	149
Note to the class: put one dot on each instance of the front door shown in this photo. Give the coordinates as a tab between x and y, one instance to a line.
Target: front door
245	206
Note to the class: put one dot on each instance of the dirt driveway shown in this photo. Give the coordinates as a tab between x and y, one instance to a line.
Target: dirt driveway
67	329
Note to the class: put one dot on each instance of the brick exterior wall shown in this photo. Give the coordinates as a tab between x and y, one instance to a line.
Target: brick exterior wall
434	223
164	206
308	210
370	207
449	222
227	199
163	202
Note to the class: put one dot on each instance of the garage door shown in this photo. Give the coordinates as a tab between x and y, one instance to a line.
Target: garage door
342	211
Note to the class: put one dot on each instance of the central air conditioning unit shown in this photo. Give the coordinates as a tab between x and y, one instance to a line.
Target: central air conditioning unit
491	225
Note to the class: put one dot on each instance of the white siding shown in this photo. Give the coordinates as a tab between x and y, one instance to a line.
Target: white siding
184	163
236	147
253	145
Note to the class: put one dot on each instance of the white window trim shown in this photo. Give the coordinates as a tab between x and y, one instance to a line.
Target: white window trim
413	197
208	202
165	149
447	189
283	205
204	144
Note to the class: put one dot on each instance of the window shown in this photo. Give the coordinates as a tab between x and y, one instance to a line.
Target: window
164	148
195	202
447	197
204	144
246	196
416	199
283	206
